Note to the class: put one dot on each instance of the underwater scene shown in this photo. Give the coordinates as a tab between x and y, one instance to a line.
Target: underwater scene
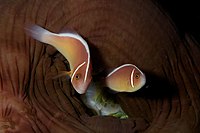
106	66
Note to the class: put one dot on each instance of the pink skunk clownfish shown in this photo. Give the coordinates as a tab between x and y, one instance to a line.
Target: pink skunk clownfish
125	78
74	48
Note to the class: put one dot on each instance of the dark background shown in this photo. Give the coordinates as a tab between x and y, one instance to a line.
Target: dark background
185	14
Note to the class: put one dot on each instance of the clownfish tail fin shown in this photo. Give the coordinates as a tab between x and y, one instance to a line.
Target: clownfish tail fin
39	33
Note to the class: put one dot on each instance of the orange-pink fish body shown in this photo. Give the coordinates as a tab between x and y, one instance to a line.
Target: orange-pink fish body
126	78
74	48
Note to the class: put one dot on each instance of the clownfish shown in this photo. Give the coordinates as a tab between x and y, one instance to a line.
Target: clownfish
74	48
125	78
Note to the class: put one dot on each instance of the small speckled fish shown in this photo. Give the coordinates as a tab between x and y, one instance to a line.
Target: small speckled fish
74	48
101	102
125	78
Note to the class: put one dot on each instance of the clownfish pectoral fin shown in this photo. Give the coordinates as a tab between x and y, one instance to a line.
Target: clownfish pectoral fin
63	73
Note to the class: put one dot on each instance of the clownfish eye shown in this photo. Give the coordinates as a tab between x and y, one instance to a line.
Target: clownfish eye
78	76
137	75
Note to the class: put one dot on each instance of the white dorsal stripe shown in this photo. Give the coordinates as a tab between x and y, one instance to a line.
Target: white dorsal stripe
78	37
77	70
132	77
42	35
116	69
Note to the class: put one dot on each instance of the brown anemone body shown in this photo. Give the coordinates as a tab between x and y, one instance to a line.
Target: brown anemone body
118	32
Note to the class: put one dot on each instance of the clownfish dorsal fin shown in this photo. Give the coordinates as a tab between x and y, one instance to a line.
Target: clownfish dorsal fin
67	32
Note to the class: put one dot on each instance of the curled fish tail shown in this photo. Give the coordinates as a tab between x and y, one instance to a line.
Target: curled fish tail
39	33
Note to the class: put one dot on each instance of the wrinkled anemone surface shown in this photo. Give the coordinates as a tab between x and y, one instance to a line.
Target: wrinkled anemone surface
117	32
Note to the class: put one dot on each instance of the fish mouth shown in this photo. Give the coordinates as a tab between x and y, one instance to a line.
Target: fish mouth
143	81
83	89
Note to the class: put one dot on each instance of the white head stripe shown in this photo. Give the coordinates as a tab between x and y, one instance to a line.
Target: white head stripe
132	78
78	37
86	71
77	70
